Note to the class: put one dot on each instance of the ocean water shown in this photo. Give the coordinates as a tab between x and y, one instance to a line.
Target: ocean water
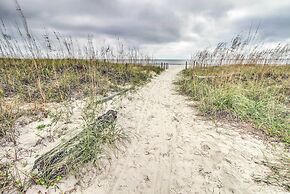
158	61
170	61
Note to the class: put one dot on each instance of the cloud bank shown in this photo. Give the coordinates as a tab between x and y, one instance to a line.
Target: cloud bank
165	28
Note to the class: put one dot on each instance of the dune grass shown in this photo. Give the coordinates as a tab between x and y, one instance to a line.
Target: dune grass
58	80
37	82
38	70
253	93
48	80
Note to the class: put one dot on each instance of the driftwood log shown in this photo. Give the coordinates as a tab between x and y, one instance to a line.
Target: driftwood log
80	149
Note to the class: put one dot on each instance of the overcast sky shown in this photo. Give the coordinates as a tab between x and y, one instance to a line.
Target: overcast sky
165	28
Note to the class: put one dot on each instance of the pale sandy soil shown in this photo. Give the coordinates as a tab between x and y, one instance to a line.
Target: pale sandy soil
173	150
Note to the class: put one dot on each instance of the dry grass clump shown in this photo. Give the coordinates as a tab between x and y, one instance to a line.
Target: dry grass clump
279	175
9	113
6	179
10	181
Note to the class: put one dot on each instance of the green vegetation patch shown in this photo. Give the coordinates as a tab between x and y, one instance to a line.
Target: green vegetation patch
58	80
55	80
256	94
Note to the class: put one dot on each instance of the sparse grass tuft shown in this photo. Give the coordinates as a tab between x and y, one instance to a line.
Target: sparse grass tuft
279	173
9	113
9	180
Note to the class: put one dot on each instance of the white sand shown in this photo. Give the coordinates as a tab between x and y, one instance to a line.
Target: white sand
176	151
173	150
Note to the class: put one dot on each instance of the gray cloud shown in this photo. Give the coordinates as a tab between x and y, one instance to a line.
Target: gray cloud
148	25
274	26
166	24
210	8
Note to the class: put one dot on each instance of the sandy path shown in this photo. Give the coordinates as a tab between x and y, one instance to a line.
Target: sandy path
175	151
